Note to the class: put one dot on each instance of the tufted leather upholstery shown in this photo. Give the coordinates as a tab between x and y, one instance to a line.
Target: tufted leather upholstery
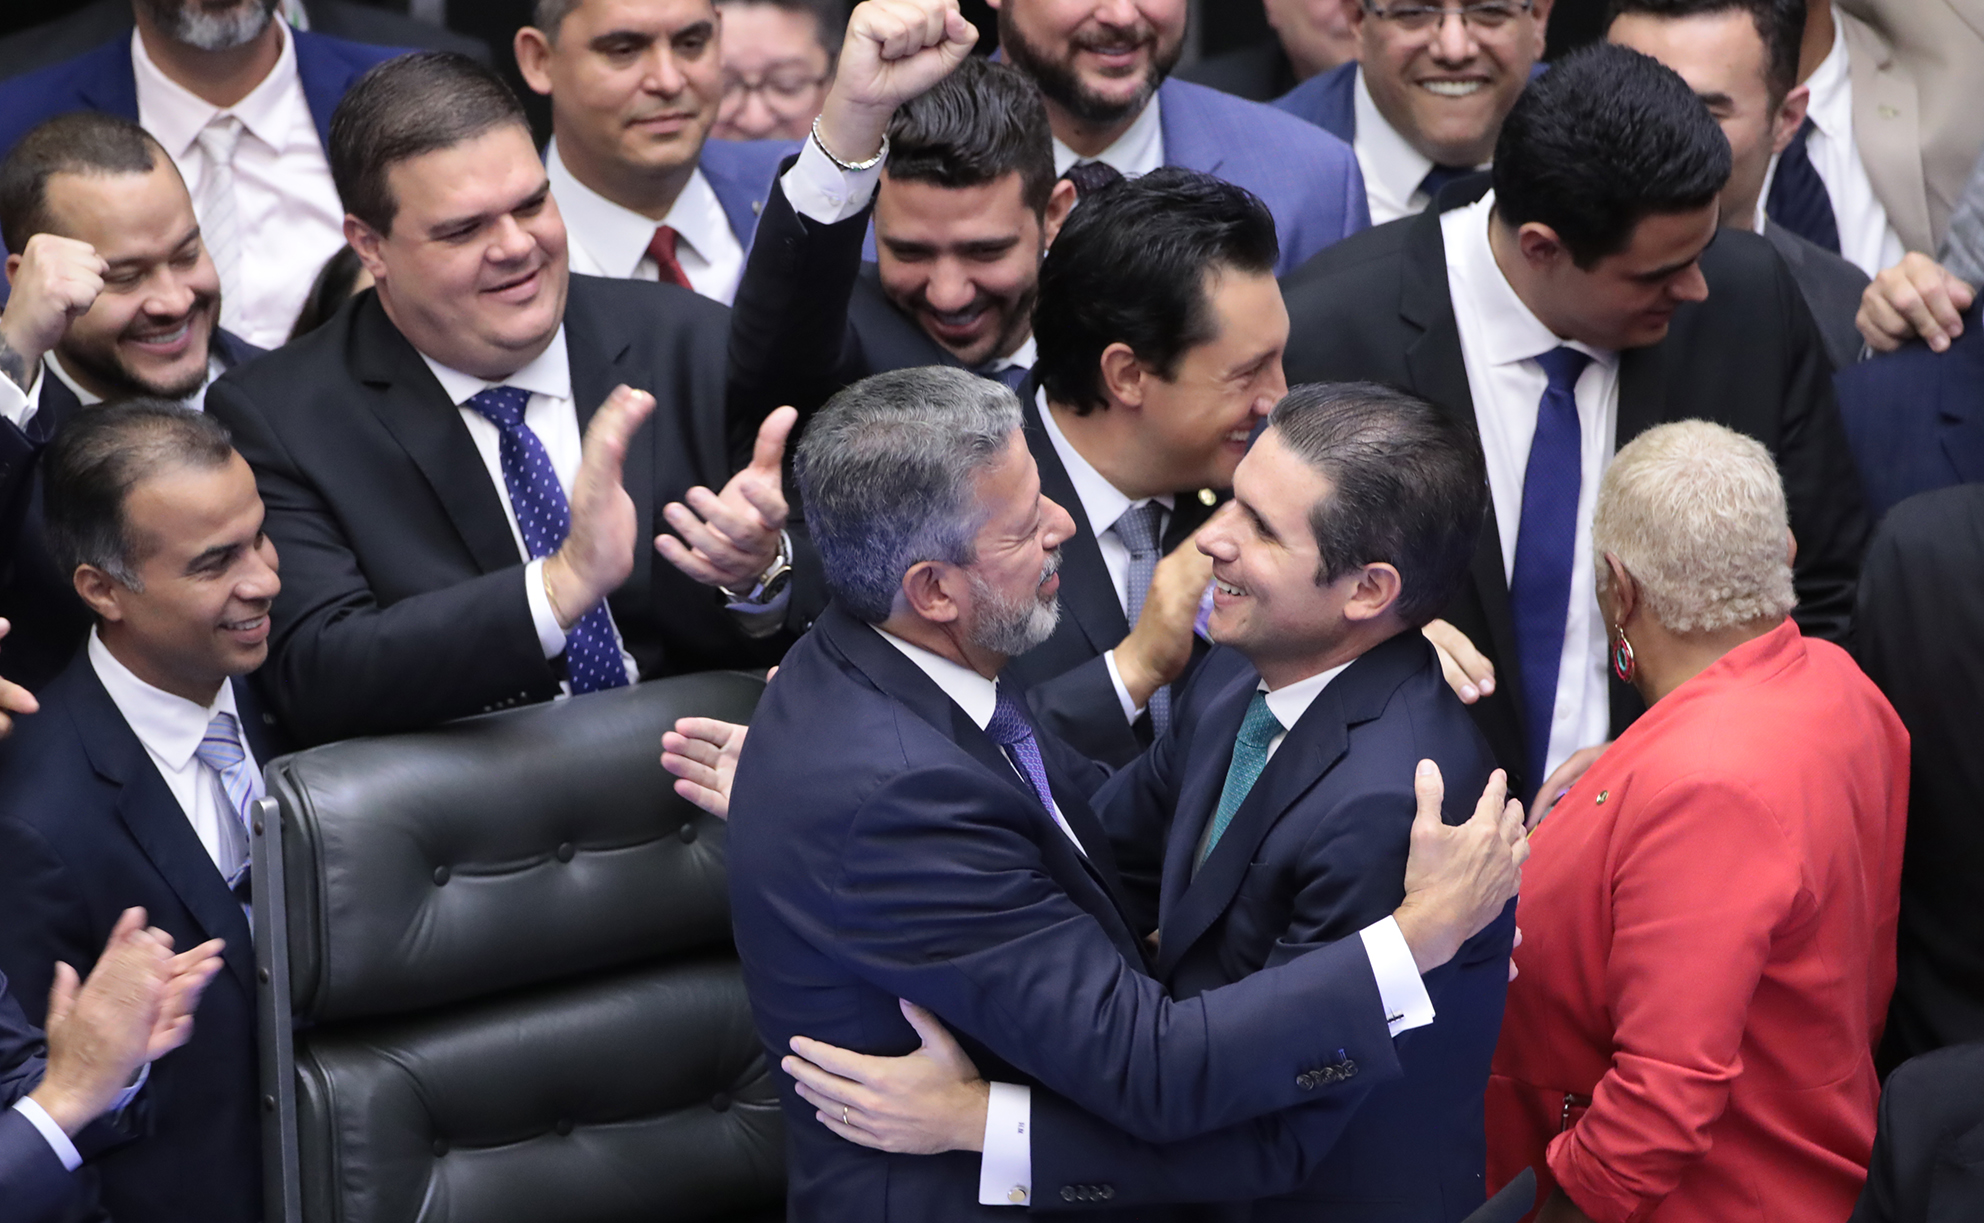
512	978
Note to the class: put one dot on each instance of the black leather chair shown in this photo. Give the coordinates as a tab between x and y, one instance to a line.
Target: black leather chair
499	981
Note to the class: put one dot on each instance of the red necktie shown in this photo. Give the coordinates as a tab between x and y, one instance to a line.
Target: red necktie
661	249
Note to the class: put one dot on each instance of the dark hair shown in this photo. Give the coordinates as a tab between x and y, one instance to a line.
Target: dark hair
1408	486
406	107
329	292
1780	23
829	18
977	125
1603	140
97	457
85	142
1130	267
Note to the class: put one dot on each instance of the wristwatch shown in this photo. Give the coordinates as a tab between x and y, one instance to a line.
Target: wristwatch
771	583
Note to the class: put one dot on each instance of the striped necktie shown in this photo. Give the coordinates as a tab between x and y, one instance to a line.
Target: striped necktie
1137	528
220	750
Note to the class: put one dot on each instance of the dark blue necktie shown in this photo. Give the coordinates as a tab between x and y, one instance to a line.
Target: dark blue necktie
544	518
1011	729
1546	540
1440	176
1798	198
1014	376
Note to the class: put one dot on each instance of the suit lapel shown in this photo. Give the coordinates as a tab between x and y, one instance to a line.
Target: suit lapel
325	79
1210	755
1187	141
415	410
159	825
600	356
1086	591
113	86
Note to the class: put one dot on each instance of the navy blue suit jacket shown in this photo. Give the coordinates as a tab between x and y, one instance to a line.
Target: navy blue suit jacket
34	1186
89	828
741	174
103	80
1316	853
1329	100
1915	419
921	866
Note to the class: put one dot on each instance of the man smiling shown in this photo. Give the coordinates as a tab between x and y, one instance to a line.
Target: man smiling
114	296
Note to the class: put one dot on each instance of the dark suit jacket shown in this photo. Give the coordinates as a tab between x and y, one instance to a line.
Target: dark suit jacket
1258	73
49	621
1928	1163
1915	418
403	600
921	866
1315	854
97	23
1832	289
1920	637
1377	307
34	1186
102	80
88	828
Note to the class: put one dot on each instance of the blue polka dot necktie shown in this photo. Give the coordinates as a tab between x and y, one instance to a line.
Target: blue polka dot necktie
544	518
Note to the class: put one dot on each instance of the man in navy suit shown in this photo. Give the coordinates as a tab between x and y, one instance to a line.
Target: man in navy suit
133	783
1426	95
634	90
947	856
1915	418
136	1007
1276	816
243	104
1104	78
114	297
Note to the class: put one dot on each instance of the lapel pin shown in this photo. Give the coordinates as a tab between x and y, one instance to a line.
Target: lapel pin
1602	796
1207	497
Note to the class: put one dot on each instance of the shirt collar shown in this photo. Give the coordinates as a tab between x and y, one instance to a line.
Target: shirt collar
1290	701
1138	151
550	375
89	399
1510	331
1024	356
169	726
1101	502
1831	107
1384	154
176	116
974	694
617	237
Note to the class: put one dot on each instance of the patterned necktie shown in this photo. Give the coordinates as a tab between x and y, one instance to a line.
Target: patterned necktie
1011	729
544	518
220	225
1250	756
661	249
1090	176
220	750
1546	540
1798	199
1440	176
1137	528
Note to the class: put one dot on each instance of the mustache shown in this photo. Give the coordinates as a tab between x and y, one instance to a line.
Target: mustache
147	325
1105	36
1051	566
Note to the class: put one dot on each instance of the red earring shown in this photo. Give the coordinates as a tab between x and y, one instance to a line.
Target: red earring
1624	665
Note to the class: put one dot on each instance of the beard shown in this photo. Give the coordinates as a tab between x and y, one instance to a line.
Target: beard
1015	312
1012	627
188	21
102	366
1062	85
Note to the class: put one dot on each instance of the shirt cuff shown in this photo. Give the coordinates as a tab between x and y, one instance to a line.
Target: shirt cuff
20	406
821	191
124	1098
1407	1004
1005	1170
762	619
1130	708
550	638
39	1119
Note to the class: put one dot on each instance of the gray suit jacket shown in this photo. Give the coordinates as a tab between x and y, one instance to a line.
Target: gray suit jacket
1831	287
1963	245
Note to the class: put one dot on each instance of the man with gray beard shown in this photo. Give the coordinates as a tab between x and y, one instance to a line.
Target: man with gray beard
242	104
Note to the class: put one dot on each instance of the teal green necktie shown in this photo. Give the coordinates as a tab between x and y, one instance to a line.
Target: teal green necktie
1250	756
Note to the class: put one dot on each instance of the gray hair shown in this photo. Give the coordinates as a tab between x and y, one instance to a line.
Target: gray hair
887	473
1696	513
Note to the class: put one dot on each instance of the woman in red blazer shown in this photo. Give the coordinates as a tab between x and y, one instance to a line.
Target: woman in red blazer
1708	916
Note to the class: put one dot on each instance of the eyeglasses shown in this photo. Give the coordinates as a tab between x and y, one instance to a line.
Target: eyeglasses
785	93
1485	17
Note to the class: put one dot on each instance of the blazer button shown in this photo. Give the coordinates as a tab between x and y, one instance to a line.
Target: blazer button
1068	1194
1306	1080
1106	1192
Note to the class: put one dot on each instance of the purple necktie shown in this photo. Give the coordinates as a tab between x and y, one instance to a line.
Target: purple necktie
1011	729
544	518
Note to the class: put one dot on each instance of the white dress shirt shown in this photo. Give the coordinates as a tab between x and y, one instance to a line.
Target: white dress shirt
1866	239
289	215
607	239
1138	151
1393	169
1500	339
23	406
1103	504
1005	1168
552	416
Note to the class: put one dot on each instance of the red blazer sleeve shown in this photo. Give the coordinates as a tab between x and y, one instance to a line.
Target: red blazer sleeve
1703	875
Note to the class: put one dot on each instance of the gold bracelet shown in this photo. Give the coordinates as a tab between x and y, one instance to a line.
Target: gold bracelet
544	574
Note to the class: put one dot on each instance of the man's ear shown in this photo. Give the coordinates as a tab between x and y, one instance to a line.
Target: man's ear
100	592
1059	204
365	242
533	51
1123	376
927	591
1790	117
1540	246
14	264
1376	593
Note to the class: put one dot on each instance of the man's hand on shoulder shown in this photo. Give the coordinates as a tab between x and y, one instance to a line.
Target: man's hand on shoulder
53	282
1916	297
922	1103
894	51
1160	644
1458	879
